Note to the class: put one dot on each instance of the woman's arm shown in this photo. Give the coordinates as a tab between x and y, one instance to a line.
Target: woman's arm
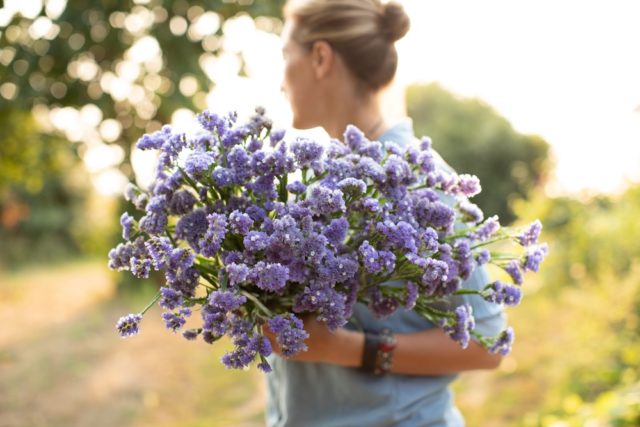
429	352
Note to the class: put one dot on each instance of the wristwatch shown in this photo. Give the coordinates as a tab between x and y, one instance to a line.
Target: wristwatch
377	357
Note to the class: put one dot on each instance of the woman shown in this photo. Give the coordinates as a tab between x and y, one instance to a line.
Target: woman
339	54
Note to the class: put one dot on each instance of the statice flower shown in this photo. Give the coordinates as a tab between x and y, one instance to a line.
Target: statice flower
354	138
256	241
277	136
326	201
503	343
513	269
270	277
501	293
198	163
238	273
306	151
486	230
468	185
352	186
240	223
434	214
370	257
412	294
290	333
336	231
535	255
129	325
460	327
435	274
296	187
531	234
191	227
483	257
223	177
382	306
128	223
212	240
470	212
182	202
175	321
170	298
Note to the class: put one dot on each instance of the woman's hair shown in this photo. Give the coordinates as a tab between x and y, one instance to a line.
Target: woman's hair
363	32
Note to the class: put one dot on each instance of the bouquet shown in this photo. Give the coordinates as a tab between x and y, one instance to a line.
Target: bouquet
250	229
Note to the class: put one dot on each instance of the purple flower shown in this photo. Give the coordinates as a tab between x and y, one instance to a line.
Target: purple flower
411	295
372	149
152	141
336	231
483	257
170	298
198	163
352	186
371	205
212	240
486	230
191	334
470	212
425	143
468	185
191	227
502	293
306	151
513	269
435	273
459	328
240	223
223	177
175	321
382	305
215	312
271	277
369	168
398	171
238	273
535	255
531	234
387	260
182	202
401	235
128	223
240	162
154	223
503	342
212	122
426	162
434	214
158	249
256	241
354	138
290	333
326	201
276	136
140	267
129	325
370	257
296	187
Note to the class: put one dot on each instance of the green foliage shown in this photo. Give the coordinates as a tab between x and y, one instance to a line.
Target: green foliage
474	139
42	193
576	357
89	44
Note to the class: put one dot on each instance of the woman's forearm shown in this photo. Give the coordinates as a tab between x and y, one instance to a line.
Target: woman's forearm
432	352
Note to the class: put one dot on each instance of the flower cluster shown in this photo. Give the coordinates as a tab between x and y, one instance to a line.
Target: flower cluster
235	238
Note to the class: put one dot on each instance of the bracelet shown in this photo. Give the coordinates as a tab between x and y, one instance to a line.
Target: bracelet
377	357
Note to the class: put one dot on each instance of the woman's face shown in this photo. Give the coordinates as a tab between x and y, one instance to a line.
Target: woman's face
299	84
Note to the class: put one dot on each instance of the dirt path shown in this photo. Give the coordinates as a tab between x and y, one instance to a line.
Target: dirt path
61	363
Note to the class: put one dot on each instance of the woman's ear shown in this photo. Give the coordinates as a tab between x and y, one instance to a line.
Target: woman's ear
322	58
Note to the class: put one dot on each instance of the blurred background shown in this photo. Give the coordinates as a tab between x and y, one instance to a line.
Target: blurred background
540	99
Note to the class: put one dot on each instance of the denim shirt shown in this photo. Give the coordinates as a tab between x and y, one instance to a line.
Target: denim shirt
303	394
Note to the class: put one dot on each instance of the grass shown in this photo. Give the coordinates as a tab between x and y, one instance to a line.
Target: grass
62	364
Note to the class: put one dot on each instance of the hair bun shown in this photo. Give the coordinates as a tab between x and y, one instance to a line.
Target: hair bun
395	21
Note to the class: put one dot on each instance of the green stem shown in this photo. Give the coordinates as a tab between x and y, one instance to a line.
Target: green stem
257	303
155	299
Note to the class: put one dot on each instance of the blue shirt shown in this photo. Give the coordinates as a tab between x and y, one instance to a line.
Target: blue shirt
303	394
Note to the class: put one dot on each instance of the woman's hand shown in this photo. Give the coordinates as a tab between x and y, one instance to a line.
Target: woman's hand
341	347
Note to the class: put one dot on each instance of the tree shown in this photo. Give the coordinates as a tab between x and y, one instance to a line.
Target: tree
474	139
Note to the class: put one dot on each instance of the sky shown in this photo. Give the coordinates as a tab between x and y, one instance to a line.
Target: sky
566	70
